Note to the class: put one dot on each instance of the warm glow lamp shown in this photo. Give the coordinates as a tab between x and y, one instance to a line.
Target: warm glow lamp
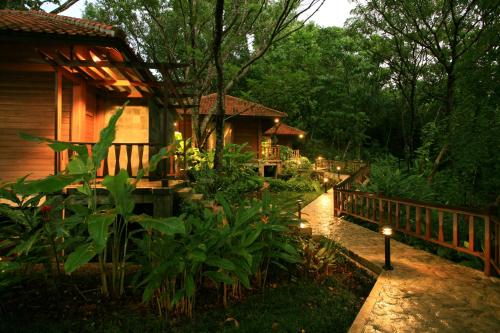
387	232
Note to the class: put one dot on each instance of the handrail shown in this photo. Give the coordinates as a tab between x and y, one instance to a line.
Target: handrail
129	156
467	230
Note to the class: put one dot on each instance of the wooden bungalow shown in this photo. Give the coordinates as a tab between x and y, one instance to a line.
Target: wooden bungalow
260	127
62	78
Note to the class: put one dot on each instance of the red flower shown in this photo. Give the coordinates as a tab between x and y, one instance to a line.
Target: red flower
45	211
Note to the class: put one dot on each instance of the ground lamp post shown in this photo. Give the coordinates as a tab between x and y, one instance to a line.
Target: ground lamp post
325	182
299	210
338	172
387	232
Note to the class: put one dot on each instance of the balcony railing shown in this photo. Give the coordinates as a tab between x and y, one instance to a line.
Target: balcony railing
273	153
129	156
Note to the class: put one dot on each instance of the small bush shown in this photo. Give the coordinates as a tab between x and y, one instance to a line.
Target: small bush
295	184
235	180
296	167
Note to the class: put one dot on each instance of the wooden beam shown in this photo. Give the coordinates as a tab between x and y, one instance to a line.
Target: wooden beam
25	67
58	115
124	64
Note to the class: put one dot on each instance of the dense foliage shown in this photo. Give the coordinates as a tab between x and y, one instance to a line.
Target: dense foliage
230	248
418	80
236	178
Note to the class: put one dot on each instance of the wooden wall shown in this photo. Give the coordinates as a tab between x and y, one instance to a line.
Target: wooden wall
27	104
246	130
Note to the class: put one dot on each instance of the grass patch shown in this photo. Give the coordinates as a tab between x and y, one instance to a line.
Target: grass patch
293	307
329	306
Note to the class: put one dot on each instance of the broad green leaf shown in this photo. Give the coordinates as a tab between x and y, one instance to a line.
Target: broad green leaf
197	255
98	229
219	277
24	247
82	255
225	205
78	167
57	146
106	138
252	237
121	191
190	286
156	158
243	278
15	215
244	254
167	225
50	184
221	263
179	294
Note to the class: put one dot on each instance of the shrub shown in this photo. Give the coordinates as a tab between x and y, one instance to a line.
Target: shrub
386	178
228	248
236	178
296	167
295	184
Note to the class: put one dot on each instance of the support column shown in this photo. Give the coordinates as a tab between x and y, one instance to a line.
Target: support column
58	116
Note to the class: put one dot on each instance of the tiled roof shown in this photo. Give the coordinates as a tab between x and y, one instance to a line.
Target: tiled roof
238	106
41	22
284	129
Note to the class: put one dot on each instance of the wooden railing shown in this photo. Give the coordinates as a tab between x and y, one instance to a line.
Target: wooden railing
270	153
129	156
476	233
346	167
273	153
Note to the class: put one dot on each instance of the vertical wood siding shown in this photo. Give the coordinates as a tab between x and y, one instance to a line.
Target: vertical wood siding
27	105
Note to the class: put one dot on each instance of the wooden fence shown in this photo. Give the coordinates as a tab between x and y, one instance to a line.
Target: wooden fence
474	232
129	156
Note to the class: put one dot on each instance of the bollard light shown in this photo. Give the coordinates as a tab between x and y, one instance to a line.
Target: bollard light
338	172
325	182
387	232
299	209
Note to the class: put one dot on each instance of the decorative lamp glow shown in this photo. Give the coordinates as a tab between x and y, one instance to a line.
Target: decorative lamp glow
387	232
175	123
301	136
276	120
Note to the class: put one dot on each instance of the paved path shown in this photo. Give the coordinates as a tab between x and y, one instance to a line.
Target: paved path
424	292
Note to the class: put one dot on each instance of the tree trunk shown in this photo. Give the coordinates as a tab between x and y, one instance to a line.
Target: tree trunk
219	114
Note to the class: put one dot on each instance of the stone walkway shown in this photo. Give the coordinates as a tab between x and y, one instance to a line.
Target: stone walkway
424	292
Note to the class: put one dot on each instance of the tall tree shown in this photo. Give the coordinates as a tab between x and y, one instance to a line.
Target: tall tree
446	29
38	4
182	30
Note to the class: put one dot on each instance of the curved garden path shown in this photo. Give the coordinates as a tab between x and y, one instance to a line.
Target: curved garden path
424	292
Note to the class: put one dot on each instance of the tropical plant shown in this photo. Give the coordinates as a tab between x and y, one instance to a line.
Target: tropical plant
235	179
225	248
106	227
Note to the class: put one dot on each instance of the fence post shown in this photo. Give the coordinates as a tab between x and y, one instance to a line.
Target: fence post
381	211
487	246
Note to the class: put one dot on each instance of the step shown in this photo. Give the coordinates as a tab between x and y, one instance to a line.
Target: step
196	197
184	192
175	183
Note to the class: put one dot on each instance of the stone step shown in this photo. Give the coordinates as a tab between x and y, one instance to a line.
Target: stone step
184	192
196	197
175	183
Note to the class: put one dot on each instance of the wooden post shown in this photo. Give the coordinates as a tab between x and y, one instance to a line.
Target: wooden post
58	116
487	246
